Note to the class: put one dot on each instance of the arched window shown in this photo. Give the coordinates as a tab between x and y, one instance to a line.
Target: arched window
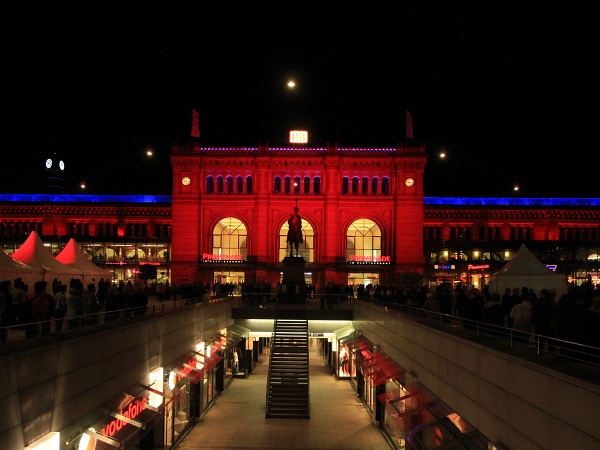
374	185
287	183
296	185
306	249
363	238
385	186
345	184
317	185
230	238
355	185
210	185
365	185
307	185
229	182
219	184
277	185
249	185
239	181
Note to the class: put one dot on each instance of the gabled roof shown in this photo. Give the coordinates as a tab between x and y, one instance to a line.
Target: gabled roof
36	255
72	256
524	263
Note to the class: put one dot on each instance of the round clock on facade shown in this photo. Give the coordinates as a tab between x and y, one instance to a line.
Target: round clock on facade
409	182
48	163
61	164
185	181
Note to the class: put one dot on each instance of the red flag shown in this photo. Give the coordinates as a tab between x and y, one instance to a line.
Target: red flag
195	124
409	130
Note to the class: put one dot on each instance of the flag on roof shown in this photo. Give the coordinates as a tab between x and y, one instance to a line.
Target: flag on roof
409	126
195	124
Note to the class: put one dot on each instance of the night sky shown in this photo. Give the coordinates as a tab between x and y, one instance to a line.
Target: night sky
509	90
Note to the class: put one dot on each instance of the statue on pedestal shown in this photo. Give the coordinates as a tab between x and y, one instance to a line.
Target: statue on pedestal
294	236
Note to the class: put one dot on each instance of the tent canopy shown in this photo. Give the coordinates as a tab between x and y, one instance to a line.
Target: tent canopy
11	269
72	256
35	255
525	270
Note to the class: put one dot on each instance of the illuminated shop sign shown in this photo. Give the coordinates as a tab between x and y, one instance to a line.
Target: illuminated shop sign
209	257
442	267
133	410
298	137
354	259
479	267
146	263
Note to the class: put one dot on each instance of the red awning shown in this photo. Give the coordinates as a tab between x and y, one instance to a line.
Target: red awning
210	362
380	368
190	367
360	343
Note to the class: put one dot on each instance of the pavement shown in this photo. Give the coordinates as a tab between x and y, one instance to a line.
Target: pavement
338	418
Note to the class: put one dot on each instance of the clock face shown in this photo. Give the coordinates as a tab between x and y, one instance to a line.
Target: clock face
185	181
61	165
48	163
409	182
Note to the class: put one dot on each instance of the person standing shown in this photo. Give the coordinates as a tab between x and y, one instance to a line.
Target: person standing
542	313
102	291
515	299
236	361
5	309
493	314
18	294
506	303
74	303
61	306
521	316
41	307
90	305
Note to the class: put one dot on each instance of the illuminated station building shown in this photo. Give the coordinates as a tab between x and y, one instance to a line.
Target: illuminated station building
365	220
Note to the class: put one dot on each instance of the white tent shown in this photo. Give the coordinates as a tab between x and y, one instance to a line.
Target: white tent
72	256
11	269
35	255
525	270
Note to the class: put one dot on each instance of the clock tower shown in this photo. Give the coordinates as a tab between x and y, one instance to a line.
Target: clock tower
55	173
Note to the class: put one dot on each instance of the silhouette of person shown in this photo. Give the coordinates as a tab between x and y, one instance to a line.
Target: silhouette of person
294	236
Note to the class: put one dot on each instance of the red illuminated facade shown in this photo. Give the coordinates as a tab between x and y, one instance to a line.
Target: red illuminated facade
362	211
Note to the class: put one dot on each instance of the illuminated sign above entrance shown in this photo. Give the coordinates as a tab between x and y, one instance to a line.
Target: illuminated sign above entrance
479	267
209	257
298	137
354	259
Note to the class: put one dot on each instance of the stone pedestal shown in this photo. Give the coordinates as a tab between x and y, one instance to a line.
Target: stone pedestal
293	275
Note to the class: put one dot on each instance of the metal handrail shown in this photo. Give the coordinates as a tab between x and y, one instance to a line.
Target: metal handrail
19	332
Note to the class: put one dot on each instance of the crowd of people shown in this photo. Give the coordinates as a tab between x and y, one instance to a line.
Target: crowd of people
67	307
573	317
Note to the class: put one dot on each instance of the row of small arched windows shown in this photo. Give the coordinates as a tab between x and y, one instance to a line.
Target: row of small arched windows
229	185
297	185
365	186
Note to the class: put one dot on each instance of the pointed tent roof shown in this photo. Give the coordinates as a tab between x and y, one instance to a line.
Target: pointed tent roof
34	254
72	256
524	269
11	269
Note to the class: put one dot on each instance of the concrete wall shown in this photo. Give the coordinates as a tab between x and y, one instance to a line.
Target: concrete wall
512	401
49	386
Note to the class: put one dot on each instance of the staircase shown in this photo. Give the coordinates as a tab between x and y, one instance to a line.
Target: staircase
288	389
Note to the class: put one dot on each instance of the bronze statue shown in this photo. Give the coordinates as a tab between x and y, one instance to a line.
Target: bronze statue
294	236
